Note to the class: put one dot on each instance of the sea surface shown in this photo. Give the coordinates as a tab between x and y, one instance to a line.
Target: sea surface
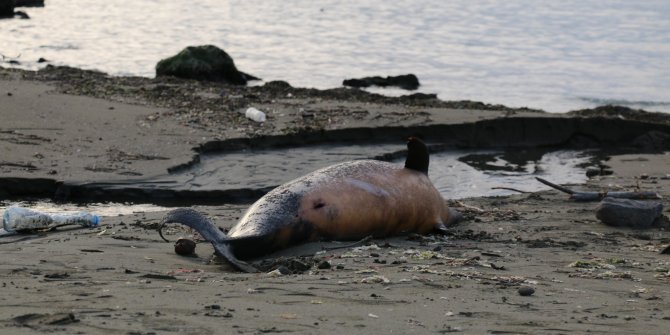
552	55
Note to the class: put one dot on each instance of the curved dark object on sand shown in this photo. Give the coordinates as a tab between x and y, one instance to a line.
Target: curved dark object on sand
346	201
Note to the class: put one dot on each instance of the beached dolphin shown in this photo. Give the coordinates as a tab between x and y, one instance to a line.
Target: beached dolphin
346	201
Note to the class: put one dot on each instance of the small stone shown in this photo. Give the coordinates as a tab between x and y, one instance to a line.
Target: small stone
184	247
324	265
526	291
284	270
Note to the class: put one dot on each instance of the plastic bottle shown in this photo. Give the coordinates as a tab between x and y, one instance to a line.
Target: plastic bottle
254	114
18	219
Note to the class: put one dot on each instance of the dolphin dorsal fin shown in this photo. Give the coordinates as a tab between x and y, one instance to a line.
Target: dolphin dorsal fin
417	155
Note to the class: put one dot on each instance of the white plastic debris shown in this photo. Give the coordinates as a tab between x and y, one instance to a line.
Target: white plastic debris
255	114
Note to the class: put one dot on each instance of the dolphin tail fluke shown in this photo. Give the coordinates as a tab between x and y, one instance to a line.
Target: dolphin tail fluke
209	232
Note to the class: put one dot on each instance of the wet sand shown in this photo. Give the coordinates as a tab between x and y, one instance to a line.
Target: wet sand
121	278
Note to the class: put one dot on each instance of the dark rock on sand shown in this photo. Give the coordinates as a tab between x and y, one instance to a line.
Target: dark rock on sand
628	213
21	15
28	3
206	62
526	291
653	140
184	247
601	170
6	8
624	113
406	82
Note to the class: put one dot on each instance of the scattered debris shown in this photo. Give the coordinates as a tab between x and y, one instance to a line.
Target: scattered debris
595	196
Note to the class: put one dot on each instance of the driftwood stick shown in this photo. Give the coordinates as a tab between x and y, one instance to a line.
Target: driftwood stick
558	187
597	196
509	189
463	205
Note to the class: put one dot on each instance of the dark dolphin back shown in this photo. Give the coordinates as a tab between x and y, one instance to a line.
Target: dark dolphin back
272	222
277	209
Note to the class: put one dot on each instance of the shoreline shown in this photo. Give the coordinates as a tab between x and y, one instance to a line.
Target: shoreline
121	278
136	129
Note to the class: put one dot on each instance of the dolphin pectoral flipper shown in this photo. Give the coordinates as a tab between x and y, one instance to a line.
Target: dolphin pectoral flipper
209	232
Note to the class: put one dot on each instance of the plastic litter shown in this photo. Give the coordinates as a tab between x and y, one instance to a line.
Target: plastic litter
254	114
20	219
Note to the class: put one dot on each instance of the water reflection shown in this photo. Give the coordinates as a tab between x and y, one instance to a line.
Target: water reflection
457	174
553	55
462	175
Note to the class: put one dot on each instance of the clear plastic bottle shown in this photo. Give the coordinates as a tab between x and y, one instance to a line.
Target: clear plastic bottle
17	219
254	114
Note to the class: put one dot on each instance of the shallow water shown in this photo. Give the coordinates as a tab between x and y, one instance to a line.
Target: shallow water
557	56
471	174
456	174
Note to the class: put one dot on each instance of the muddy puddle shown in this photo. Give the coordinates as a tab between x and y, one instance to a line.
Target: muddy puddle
242	176
457	174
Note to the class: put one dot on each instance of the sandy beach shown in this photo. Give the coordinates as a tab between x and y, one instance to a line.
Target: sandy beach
63	125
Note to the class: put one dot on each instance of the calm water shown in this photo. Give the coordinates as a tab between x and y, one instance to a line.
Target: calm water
553	55
456	174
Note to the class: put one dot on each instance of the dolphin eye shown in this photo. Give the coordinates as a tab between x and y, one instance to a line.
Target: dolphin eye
318	204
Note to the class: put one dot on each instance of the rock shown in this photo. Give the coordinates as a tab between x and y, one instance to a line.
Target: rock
526	291
284	270
28	3
6	8
324	265
601	170
206	62
184	247
628	213
653	140
21	15
406	82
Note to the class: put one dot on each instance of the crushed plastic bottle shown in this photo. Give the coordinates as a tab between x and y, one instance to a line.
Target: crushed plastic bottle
18	219
254	114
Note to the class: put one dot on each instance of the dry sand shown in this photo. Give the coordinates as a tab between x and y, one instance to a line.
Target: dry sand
121	278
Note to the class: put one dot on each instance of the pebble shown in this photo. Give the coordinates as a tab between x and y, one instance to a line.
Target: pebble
526	291
282	269
184	247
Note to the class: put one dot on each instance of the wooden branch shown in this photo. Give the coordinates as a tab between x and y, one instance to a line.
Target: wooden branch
558	187
509	189
597	196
